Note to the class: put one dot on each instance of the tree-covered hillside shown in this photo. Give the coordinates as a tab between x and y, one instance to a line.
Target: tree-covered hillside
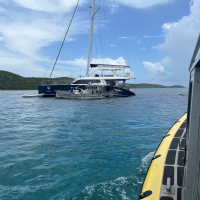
11	81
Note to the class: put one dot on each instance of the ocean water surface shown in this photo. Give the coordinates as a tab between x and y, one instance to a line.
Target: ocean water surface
89	149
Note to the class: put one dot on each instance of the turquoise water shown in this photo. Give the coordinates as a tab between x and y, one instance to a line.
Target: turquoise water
90	149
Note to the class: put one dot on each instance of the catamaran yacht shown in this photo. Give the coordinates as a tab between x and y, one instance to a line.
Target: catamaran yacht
112	79
112	82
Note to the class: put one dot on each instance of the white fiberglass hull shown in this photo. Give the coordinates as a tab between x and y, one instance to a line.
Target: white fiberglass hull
65	95
32	95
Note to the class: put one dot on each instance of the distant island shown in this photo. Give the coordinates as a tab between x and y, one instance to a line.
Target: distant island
146	85
11	81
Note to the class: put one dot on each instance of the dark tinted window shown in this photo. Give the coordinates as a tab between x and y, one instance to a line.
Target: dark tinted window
96	81
79	82
86	81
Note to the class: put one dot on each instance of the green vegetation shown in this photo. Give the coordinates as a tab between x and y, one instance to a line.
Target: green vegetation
146	85
11	81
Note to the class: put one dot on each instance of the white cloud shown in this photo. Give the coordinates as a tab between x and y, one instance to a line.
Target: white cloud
2	9
113	45
143	48
80	62
167	26
142	3
27	39
48	5
118	61
153	36
112	5
156	70
26	67
133	38
153	67
19	64
127	37
25	34
180	41
22	51
72	68
32	32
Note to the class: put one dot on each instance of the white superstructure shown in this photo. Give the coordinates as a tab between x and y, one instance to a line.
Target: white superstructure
103	78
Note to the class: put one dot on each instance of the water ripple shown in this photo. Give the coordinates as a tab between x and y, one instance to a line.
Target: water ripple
60	149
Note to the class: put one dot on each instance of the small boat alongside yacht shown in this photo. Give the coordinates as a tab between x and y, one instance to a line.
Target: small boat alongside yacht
91	91
78	95
32	95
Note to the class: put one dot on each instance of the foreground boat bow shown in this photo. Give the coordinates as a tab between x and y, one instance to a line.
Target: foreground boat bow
166	165
174	173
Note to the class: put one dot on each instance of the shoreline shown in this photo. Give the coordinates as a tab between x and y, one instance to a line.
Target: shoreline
17	90
130	87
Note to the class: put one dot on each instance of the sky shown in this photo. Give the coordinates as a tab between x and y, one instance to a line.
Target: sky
155	37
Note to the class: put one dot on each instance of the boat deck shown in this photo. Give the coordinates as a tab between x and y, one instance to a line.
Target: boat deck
166	167
173	168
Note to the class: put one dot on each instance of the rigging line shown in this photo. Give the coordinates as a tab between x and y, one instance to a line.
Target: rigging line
68	70
95	71
104	31
100	34
64	46
87	35
51	62
97	35
122	34
98	26
99	38
52	58
98	29
96	43
64	38
55	52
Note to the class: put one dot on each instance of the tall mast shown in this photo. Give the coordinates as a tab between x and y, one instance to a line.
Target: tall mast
91	35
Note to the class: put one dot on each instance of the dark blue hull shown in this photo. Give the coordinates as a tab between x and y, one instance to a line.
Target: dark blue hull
49	91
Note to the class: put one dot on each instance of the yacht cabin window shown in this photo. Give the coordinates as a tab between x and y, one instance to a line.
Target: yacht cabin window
86	81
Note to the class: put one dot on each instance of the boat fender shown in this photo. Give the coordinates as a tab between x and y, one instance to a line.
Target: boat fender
128	88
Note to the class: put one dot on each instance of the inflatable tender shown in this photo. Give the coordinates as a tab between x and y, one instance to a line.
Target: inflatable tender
163	180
